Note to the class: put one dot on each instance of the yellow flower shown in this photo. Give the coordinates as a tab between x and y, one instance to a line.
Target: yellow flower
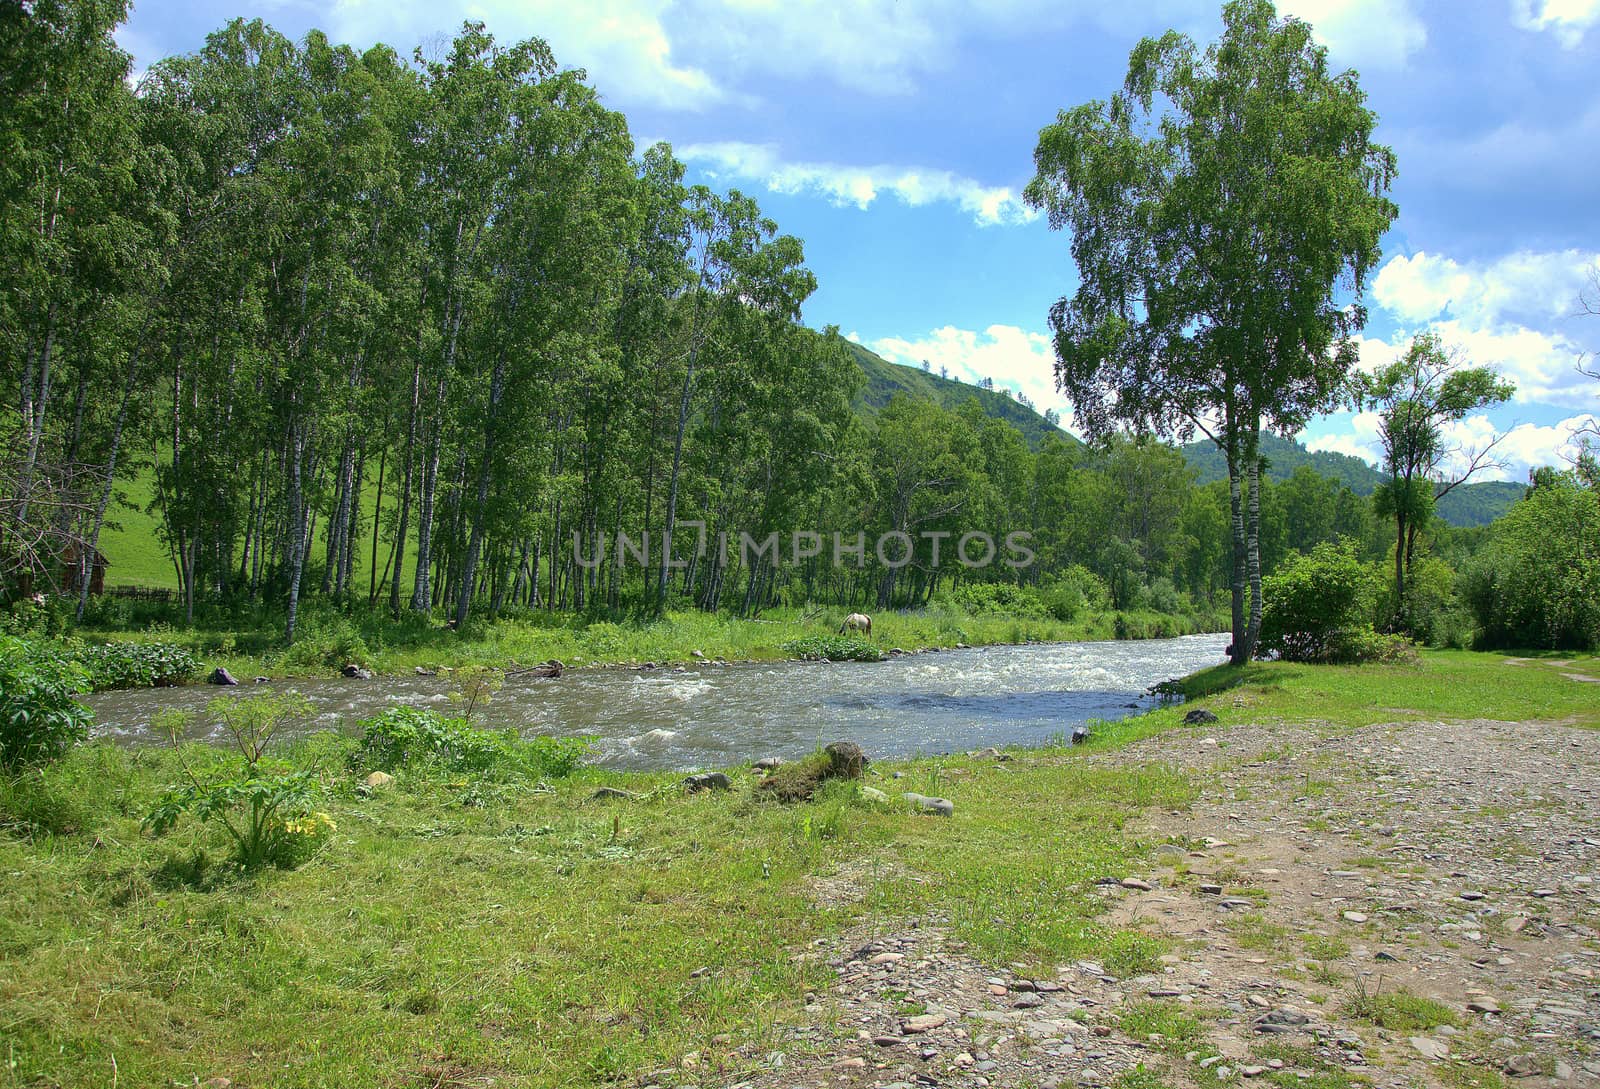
310	825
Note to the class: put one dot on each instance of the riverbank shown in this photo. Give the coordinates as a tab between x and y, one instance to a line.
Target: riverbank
250	646
455	930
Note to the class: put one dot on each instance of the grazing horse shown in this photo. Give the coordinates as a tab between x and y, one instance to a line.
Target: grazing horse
856	622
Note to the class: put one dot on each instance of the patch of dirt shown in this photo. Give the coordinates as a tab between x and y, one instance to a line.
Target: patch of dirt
1329	897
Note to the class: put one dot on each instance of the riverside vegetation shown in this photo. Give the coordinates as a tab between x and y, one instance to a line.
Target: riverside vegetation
363	342
480	916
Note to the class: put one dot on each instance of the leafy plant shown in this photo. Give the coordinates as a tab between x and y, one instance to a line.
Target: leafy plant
137	665
39	717
833	648
418	737
1538	582
1315	609
267	808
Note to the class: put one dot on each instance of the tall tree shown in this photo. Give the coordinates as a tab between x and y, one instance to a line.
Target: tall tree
1417	396
1226	208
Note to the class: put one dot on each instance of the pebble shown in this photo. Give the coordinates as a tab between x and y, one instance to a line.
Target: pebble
926	1023
1135	883
1430	1048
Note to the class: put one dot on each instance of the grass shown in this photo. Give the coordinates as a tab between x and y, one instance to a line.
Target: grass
1443	684
1399	1010
455	930
1170	1027
249	642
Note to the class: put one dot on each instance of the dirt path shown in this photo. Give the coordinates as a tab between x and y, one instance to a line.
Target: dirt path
1405	906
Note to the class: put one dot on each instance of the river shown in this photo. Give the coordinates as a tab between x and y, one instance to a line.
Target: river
707	715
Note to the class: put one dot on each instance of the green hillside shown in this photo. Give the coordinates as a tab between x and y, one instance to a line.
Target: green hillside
1479	504
1283	458
1469	505
885	379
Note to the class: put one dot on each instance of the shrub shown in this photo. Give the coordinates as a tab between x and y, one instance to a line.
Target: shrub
1315	609
268	809
39	717
137	665
999	599
833	648
419	738
1537	584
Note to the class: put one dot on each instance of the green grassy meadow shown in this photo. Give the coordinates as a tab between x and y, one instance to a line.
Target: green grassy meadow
455	929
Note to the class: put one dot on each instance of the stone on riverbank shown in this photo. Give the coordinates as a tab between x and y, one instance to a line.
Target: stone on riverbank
942	807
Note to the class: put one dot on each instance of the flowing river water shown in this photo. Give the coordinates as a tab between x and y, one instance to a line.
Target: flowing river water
708	715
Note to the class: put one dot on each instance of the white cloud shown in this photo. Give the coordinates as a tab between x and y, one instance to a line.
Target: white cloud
1516	313
878	46
1568	20
1014	358
859	185
624	43
1521	286
1374	33
1358	438
1525	447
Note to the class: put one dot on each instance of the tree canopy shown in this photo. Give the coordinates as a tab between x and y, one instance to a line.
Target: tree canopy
1226	208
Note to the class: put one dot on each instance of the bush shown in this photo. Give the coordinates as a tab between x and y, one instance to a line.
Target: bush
1432	612
833	648
419	738
999	599
268	809
1315	609
1537	583
137	665
39	717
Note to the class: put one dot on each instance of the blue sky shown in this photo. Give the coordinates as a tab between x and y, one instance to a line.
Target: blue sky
894	137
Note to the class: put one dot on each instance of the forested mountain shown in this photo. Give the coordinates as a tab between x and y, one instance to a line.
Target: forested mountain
885	379
1480	503
1283	458
1473	504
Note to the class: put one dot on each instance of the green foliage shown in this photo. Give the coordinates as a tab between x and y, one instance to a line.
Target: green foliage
1005	599
1432	611
1226	207
40	718
833	648
885	380
1172	1028
268	808
137	665
1316	608
1399	1010
418	738
1537	583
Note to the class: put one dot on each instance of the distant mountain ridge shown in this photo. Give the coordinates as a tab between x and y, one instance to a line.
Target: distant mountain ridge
1469	505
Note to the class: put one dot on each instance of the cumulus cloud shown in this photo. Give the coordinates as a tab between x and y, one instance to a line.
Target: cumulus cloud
625	44
1515	313
1524	447
1568	20
1371	33
1014	358
859	185
692	54
1520	286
